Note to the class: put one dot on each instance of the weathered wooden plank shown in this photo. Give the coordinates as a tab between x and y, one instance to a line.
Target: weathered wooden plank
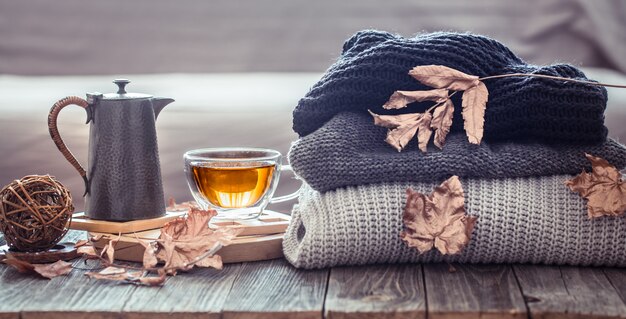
568	292
20	291
199	293
617	277
472	291
77	296
274	289
381	291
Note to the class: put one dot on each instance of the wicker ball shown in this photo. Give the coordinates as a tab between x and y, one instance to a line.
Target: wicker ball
35	212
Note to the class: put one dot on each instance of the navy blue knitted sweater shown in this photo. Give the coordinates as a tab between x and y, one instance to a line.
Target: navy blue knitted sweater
374	64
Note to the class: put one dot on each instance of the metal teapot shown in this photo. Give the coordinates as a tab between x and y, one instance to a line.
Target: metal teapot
123	179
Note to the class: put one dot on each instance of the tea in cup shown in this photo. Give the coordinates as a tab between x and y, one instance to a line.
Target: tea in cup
237	182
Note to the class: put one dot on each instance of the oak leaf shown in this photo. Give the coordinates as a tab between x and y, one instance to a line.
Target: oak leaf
474	104
58	268
184	240
442	121
604	188
438	219
400	99
443	77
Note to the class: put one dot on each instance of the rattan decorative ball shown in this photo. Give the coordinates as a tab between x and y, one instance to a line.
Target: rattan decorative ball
35	212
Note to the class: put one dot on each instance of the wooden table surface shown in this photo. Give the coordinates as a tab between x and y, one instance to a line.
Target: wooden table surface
274	289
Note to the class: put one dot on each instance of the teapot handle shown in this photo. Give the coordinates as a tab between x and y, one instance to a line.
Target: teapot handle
56	137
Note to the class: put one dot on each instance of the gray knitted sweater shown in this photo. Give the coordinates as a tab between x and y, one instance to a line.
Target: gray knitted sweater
349	151
520	220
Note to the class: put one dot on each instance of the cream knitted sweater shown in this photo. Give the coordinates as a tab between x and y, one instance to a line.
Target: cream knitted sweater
520	220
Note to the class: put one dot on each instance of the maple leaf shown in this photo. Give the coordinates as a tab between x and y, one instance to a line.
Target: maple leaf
400	99
439	76
474	104
58	268
184	240
438	219
441	122
604	188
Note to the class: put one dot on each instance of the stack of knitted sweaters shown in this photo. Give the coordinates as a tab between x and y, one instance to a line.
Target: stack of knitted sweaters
537	132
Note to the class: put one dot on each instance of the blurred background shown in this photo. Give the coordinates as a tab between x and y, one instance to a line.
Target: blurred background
237	68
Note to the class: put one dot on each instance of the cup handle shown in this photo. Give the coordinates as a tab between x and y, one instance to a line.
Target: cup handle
291	196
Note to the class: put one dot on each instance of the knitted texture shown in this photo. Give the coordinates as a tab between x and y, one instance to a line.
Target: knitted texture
520	220
349	151
374	64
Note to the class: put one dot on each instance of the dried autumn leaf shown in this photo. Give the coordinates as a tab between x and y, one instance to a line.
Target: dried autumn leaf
87	250
440	77
184	206
58	268
438	219
400	136
153	281
184	240
109	249
19	265
474	104
400	99
113	273
81	243
424	132
441	122
393	121
149	253
403	127
604	188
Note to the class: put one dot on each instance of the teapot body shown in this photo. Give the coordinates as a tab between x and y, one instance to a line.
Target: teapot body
124	173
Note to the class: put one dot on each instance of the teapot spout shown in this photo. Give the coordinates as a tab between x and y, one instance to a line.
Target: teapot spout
158	103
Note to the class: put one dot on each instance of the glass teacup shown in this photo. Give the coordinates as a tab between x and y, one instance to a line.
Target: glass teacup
237	182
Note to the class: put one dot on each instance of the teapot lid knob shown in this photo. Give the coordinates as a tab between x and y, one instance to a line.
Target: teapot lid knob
121	84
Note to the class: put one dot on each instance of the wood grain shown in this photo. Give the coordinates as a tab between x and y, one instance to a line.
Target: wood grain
199	293
617	277
71	296
472	291
568	292
381	291
274	289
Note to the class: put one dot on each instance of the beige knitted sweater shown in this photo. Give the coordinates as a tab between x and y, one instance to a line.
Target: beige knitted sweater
520	220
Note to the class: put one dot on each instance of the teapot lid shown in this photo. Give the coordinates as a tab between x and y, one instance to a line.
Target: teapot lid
121	93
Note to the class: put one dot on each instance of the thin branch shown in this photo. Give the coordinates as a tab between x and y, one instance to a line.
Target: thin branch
551	77
441	102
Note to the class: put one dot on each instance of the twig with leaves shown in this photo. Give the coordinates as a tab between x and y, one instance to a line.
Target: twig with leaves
403	127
